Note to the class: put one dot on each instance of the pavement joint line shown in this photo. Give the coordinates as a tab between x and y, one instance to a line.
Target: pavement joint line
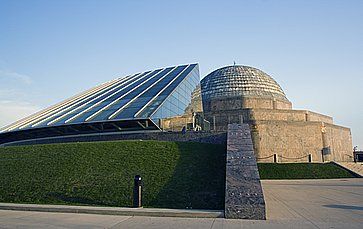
345	191
211	226
284	203
156	212
275	198
24	216
121	221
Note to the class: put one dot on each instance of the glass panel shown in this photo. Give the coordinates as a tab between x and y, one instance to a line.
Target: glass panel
152	91
110	97
181	94
141	87
74	106
173	86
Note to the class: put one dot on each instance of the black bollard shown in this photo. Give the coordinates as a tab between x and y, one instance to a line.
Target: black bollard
275	158
137	192
310	158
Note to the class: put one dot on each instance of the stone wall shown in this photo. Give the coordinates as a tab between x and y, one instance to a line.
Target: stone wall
288	115
277	115
268	103
176	123
292	134
340	140
237	103
294	141
316	117
221	119
291	141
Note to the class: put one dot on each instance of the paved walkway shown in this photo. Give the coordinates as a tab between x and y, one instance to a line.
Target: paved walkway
292	204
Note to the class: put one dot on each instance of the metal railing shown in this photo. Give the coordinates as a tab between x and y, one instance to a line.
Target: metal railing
278	158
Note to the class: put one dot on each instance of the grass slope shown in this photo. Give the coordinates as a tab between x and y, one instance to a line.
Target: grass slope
302	171
175	174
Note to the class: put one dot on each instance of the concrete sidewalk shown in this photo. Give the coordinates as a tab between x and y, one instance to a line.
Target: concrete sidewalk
327	201
290	204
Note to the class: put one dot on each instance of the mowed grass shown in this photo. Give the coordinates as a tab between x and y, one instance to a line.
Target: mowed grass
302	171
175	174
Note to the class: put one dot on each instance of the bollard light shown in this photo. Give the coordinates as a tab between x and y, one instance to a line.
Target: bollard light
275	158
137	192
310	158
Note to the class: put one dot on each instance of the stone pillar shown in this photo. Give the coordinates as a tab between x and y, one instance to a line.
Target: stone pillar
274	104
326	148
240	119
244	196
255	139
214	123
307	116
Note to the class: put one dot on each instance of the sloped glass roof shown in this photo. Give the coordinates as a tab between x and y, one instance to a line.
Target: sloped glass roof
126	98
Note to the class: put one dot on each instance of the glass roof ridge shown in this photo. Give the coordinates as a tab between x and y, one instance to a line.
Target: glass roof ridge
77	102
153	84
57	107
163	89
196	66
122	84
99	112
116	91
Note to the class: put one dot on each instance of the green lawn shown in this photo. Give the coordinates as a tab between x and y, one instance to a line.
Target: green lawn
302	171
175	174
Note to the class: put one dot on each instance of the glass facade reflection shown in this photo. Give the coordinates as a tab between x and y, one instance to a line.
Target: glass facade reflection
150	95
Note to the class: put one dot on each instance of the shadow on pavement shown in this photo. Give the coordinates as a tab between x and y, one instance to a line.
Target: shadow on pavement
349	207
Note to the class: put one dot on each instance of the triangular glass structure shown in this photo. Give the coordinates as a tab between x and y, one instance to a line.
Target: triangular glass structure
132	102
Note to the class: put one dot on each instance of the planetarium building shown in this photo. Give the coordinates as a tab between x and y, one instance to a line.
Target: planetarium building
242	94
174	99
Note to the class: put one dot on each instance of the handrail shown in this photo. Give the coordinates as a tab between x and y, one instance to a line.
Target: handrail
293	158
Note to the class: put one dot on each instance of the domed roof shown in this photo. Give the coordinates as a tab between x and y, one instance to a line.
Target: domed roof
240	80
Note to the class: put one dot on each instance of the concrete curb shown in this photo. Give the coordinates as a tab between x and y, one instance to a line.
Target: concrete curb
157	212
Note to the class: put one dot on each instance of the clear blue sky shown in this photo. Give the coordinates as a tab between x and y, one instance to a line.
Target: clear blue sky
51	50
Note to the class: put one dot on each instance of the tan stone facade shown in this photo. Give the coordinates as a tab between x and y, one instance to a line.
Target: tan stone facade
291	134
293	141
276	128
250	102
176	123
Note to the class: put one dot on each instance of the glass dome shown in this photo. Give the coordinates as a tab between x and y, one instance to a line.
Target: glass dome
242	81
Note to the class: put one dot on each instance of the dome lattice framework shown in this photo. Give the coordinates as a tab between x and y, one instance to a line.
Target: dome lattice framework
242	81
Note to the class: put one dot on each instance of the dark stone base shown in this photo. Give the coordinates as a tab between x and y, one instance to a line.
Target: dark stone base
244	196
